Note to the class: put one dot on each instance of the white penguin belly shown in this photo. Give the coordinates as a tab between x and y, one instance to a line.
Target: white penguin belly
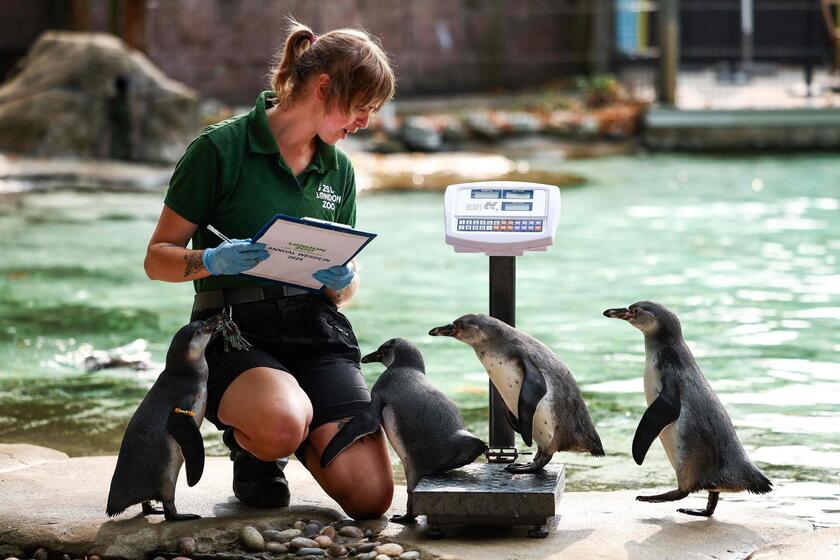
389	422
507	379
668	436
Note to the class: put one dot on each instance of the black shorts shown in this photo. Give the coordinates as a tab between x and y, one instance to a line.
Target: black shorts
304	335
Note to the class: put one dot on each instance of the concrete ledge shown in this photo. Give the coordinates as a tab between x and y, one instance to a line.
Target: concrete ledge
59	504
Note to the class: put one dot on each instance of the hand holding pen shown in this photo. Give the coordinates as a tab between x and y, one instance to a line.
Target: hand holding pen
233	256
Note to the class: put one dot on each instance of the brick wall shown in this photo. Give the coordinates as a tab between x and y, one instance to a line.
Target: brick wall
224	48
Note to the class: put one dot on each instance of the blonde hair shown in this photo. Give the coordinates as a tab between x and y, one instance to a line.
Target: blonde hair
357	65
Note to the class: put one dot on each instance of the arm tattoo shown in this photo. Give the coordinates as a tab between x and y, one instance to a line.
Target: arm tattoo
194	263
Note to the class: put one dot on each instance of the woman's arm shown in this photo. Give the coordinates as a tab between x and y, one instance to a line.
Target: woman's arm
167	257
345	294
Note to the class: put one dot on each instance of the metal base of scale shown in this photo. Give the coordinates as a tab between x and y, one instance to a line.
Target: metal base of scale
485	494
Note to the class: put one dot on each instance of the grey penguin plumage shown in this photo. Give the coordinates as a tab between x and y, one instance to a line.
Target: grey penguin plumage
683	410
163	433
543	401
422	424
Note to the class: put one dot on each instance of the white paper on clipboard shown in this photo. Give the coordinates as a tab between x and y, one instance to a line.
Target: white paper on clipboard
298	248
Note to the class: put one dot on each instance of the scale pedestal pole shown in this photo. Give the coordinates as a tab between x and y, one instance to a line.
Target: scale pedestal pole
486	494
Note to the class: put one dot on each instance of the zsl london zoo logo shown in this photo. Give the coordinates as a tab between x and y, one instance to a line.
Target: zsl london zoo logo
327	196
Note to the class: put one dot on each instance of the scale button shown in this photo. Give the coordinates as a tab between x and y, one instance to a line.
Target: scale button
538	227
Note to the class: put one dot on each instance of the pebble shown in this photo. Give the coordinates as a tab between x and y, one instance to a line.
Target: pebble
275	547
311	552
323	541
390	549
337	550
93	557
251	538
157	558
186	546
302	542
410	555
41	554
299	524
311	529
287	535
351	531
382	557
367	556
176	558
367	547
67	557
329	532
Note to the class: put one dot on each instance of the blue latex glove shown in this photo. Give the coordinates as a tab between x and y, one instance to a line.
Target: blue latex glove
233	257
335	277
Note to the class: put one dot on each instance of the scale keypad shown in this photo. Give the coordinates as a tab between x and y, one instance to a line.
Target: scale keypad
499	225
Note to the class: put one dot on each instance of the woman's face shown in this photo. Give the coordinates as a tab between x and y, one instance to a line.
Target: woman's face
338	124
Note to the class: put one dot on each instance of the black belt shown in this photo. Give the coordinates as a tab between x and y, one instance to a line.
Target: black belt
234	296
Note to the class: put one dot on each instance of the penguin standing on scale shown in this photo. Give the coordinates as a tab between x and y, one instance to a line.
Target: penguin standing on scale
685	413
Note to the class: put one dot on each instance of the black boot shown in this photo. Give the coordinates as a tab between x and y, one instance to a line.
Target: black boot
257	483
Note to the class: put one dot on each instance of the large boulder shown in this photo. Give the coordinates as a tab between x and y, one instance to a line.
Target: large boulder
90	95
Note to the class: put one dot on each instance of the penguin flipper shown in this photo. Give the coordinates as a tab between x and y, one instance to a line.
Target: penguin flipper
364	423
661	412
511	420
532	391
183	430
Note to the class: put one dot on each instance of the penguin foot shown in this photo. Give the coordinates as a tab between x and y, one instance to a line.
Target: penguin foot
519	468
671	496
710	507
182	517
405	519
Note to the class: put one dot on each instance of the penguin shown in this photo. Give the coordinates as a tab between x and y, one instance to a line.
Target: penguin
542	400
685	413
422	424
163	433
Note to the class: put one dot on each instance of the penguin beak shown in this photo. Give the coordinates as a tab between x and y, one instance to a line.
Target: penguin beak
618	313
372	357
213	325
445	330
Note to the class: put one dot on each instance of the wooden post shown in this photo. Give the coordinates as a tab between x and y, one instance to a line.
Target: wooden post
669	39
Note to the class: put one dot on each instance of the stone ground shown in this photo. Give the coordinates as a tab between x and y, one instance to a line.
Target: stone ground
50	500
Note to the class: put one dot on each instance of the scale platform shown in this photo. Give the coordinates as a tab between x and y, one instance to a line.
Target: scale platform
485	494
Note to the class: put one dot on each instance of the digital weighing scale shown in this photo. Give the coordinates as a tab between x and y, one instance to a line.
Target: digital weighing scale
502	219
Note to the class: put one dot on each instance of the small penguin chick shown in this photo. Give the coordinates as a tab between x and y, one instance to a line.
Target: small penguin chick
687	416
422	424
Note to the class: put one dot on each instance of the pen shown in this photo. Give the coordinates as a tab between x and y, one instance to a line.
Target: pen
221	235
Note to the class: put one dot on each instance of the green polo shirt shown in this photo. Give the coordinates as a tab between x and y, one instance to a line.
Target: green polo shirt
233	177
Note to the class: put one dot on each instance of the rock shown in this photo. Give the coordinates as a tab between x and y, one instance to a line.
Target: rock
367	547
482	126
41	554
382	557
67	557
176	558
311	552
251	539
115	103
299	524
390	549
329	531
410	555
283	536
157	558
367	556
419	135
336	551
93	557
302	542
275	547
323	541
186	546
311	529
351	531
519	123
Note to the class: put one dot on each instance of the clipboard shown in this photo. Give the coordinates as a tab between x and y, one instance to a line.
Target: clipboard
298	247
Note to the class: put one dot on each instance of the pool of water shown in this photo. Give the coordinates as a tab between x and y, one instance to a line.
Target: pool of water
744	250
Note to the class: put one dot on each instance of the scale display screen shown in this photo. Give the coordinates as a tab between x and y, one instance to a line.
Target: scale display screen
501	217
518	194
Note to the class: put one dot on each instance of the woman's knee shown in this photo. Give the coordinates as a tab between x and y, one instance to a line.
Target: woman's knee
368	498
279	436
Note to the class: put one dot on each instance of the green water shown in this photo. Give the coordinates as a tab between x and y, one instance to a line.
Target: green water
744	250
